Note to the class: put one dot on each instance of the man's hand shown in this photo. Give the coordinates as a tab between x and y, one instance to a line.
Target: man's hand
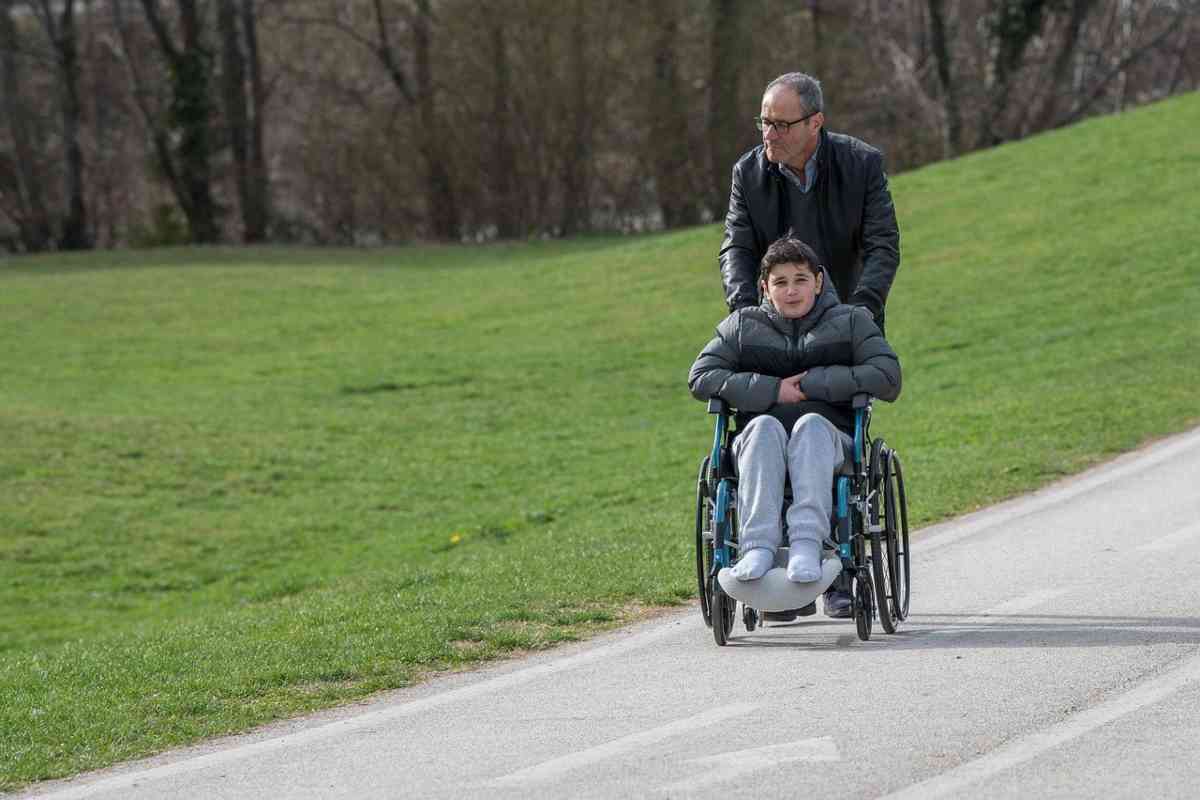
789	390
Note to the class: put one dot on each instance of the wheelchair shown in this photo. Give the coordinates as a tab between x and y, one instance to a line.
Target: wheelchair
869	529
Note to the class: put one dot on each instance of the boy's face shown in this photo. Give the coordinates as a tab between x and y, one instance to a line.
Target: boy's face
792	289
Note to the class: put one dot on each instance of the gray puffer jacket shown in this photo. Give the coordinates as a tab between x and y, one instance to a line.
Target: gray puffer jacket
839	346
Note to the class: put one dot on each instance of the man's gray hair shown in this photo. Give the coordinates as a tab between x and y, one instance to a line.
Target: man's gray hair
806	87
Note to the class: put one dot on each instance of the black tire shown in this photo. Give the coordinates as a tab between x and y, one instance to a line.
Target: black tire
863	604
895	509
749	618
883	547
724	610
882	570
704	548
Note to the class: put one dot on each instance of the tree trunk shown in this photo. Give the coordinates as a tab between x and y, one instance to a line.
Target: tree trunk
725	118
500	167
952	142
817	15
1049	110
668	112
1012	25
31	217
190	117
576	182
233	88
257	213
75	235
443	205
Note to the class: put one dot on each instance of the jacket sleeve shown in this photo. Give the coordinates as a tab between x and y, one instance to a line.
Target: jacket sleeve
881	240
715	373
876	368
738	260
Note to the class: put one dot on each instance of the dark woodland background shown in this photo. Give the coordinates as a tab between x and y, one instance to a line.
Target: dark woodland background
157	122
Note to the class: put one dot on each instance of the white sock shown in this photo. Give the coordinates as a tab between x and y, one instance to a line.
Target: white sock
804	563
753	564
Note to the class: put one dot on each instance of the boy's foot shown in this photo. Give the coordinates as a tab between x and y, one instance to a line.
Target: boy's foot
804	565
753	564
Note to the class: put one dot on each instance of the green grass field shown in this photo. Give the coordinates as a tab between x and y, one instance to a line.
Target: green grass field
237	485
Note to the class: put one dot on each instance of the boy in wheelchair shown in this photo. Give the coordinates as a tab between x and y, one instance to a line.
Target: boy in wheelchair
790	366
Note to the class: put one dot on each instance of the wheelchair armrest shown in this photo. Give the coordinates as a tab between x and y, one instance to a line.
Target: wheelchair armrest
717	405
860	400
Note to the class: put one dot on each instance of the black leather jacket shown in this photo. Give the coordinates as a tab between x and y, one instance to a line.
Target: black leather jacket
860	244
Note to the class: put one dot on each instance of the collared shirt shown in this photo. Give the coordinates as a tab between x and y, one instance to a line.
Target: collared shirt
810	172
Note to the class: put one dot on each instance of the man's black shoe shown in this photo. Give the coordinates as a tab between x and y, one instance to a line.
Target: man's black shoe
790	614
837	604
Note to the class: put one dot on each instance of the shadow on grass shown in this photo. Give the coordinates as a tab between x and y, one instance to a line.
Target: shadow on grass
942	631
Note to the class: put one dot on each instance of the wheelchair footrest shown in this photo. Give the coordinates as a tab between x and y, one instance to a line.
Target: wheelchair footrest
774	592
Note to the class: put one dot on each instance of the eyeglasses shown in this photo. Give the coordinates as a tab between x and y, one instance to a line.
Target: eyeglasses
781	126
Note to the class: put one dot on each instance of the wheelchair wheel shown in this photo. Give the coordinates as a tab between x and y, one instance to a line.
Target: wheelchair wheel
704	547
723	610
749	618
882	537
863	603
883	570
895	506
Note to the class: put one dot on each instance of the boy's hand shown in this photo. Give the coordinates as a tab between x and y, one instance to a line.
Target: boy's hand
789	390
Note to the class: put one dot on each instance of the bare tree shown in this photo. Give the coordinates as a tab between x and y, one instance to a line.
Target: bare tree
667	123
21	194
183	135
237	22
1135	39
725	113
500	166
61	31
411	75
940	39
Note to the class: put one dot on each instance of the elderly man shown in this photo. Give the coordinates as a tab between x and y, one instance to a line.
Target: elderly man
829	190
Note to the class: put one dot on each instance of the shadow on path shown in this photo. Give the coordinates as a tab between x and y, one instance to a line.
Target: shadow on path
939	631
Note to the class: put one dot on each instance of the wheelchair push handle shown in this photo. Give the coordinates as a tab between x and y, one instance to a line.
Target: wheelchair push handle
717	405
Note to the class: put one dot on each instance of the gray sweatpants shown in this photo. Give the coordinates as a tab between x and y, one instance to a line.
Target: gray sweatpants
765	456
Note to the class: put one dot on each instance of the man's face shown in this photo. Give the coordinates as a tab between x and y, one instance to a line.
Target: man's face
781	104
792	289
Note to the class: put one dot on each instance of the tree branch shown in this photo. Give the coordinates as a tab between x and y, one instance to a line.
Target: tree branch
1081	108
154	17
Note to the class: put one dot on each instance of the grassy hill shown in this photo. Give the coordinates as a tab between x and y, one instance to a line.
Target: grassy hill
239	484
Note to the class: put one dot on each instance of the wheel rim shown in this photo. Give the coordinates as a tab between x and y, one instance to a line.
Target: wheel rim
898	536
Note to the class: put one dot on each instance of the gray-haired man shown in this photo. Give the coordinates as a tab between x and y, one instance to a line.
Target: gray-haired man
829	189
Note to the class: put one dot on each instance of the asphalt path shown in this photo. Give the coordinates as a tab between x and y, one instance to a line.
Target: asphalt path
1053	650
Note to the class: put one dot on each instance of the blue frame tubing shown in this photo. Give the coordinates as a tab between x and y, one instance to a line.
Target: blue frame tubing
844	486
722	555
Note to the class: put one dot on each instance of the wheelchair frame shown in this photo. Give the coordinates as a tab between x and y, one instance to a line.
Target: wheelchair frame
870	512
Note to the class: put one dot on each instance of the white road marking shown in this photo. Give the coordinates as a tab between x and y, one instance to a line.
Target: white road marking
1172	540
1015	606
710	770
1028	747
955	530
367	720
549	770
